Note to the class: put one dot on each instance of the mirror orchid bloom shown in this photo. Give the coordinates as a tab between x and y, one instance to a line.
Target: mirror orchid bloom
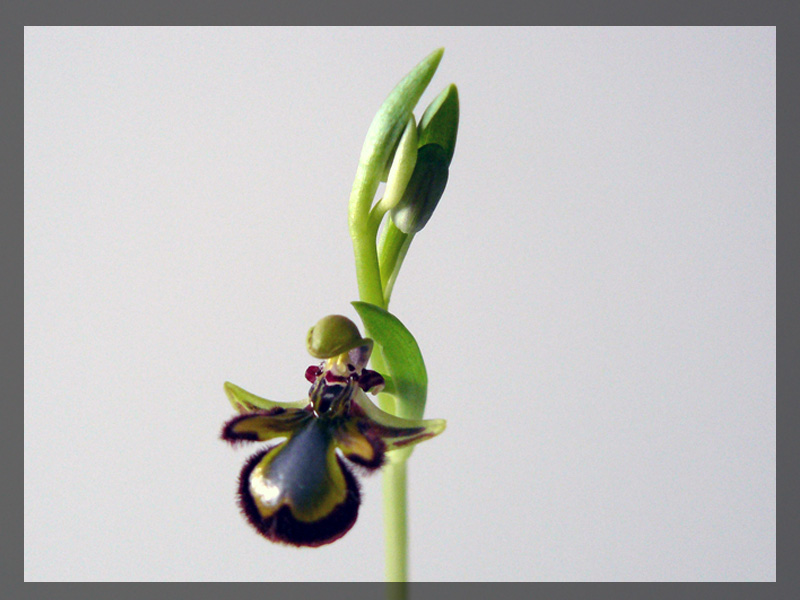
300	488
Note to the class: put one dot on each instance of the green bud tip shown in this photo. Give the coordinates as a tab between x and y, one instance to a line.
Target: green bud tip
334	335
439	123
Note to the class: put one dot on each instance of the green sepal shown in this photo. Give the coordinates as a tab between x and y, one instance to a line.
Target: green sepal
244	402
439	122
402	356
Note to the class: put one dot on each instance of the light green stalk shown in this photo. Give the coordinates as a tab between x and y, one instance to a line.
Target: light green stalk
390	153
395	526
382	138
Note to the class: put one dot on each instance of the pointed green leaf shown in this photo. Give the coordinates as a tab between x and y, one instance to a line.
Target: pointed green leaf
402	355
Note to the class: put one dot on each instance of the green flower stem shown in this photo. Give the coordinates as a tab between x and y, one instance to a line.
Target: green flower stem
393	130
393	248
403	250
394	488
367	270
395	526
370	287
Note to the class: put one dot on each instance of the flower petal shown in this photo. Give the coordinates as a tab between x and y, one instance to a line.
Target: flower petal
395	432
300	492
262	425
360	444
244	402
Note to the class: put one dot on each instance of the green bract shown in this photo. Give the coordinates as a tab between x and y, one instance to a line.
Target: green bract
402	356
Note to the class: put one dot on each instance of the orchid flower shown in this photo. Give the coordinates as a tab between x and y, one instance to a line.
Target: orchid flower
302	490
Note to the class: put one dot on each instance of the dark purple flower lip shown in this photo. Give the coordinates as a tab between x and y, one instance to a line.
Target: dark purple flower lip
285	524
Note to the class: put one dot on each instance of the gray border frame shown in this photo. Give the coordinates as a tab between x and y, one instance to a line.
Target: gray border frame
578	12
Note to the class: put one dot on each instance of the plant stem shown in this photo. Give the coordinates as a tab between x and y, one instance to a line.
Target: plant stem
367	270
394	246
394	474
395	529
394	485
389	124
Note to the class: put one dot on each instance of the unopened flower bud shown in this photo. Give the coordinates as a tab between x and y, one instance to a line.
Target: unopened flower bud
402	166
424	189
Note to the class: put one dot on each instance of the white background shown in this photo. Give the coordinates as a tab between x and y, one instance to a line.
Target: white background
594	297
